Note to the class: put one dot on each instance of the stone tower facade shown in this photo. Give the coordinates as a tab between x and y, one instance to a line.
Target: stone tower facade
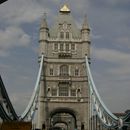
64	98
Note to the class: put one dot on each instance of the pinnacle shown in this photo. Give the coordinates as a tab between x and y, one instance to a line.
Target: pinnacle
65	9
44	22
85	23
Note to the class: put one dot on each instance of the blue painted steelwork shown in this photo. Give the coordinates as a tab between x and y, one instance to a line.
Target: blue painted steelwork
107	118
33	101
5	100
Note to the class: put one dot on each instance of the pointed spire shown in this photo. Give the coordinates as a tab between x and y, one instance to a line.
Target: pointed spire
65	9
85	23
44	22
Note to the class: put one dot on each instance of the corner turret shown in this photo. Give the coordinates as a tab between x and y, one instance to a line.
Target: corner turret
85	31
44	33
44	23
85	23
85	36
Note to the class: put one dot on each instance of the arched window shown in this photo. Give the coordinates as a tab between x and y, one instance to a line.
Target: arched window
78	93
48	92
51	71
64	70
76	72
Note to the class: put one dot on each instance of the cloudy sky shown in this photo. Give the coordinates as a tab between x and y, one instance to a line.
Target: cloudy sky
109	21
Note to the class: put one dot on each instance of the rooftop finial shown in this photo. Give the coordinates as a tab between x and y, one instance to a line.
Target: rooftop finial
44	22
65	9
44	15
85	23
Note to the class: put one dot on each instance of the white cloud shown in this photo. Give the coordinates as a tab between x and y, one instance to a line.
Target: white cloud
19	12
120	61
112	76
123	41
104	20
111	55
11	37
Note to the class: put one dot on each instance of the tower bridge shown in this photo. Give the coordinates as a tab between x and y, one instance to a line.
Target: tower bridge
65	96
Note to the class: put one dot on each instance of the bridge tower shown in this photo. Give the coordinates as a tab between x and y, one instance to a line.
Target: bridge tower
64	97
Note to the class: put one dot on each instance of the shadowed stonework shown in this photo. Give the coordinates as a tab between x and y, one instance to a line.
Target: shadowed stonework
63	99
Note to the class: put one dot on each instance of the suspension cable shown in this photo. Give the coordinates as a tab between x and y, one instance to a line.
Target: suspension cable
96	97
35	92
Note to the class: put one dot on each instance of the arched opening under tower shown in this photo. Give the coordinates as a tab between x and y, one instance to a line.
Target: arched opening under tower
63	118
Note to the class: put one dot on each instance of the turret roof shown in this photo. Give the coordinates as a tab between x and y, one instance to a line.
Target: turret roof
44	22
64	18
85	23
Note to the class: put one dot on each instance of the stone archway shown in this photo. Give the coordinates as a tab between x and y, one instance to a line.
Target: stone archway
63	115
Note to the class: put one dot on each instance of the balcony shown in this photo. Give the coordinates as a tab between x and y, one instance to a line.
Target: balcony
65	54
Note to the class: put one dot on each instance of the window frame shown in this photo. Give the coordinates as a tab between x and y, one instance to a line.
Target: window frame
64	90
73	47
54	92
77	72
67	35
64	70
61	35
67	47
51	71
55	46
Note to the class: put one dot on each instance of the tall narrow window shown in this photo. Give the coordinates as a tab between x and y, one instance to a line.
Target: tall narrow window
61	47
61	35
54	92
63	90
48	92
51	71
73	46
56	46
67	46
76	72
67	35
73	92
64	70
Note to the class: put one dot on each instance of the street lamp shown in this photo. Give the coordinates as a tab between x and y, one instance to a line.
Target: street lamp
2	1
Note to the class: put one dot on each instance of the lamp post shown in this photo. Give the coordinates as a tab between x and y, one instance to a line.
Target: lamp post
2	1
